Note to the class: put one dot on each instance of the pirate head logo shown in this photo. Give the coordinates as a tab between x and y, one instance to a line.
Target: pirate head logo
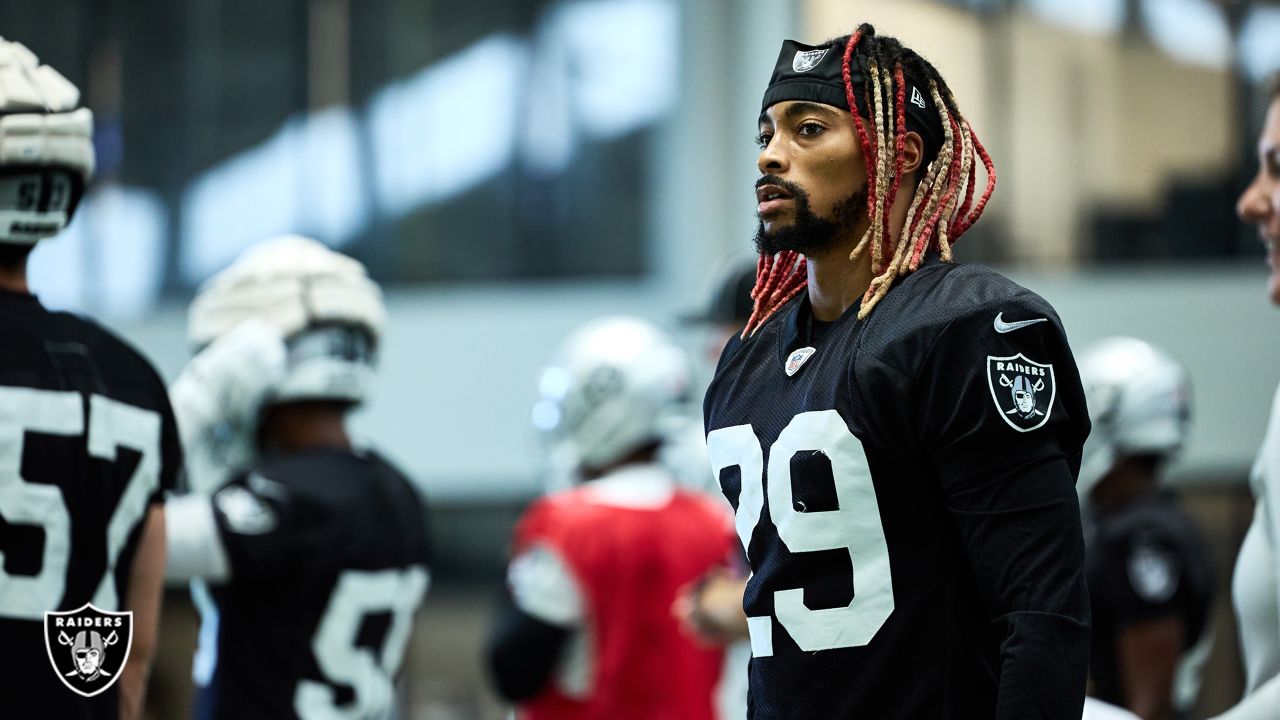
88	647
1022	389
806	60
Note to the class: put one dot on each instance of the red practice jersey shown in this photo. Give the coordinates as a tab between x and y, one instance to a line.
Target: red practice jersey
629	542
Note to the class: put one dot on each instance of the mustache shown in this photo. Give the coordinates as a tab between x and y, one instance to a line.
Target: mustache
792	188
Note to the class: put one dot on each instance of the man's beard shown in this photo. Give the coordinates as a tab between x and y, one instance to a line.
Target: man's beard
809	234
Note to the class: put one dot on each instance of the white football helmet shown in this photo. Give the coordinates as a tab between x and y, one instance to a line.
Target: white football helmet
616	385
323	303
1139	404
46	147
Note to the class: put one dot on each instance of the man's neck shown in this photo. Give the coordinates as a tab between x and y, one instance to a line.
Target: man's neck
836	282
294	427
14	279
1121	487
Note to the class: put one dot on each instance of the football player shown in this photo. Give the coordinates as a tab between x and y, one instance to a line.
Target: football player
721	319
730	305
314	551
88	443
1255	586
1150	581
596	567
899	433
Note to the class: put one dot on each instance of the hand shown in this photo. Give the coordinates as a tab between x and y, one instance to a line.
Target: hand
218	397
710	608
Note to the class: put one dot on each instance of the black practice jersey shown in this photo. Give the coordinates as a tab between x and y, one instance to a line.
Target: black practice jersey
904	487
87	444
1147	561
328	553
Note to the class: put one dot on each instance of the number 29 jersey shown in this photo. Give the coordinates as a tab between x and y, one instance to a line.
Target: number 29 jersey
904	488
88	444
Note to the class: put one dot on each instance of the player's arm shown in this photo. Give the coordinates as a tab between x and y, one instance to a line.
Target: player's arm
1147	653
1008	478
534	628
146	584
1137	579
146	573
711	607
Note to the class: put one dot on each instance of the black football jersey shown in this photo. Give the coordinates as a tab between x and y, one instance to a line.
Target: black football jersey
904	488
87	444
328	552
1147	561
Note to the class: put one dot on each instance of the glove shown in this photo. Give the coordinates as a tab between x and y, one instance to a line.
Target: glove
217	401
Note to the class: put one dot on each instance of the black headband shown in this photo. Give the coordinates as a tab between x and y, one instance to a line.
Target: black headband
814	73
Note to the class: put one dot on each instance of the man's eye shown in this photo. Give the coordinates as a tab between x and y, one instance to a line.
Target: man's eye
809	128
762	140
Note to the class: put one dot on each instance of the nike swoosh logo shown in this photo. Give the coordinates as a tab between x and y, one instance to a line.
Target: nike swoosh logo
1004	327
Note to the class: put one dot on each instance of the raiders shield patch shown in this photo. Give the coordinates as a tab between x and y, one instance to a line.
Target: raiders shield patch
806	60
1153	574
1023	390
88	647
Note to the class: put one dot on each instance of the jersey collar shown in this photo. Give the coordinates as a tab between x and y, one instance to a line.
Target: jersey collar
637	487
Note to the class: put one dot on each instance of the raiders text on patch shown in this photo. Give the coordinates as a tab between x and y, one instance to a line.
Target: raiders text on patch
1022	389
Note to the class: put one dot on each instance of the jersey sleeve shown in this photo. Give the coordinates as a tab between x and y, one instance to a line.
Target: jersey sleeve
171	457
265	526
1138	576
1001	418
540	578
543	587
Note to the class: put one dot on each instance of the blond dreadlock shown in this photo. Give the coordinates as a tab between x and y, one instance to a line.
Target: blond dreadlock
943	206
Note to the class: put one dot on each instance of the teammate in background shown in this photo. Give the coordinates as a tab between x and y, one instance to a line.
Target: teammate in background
729	308
1255	589
899	434
1150	582
315	551
88	444
721	319
596	567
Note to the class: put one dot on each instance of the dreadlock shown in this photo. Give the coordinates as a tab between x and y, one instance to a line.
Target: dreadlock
943	206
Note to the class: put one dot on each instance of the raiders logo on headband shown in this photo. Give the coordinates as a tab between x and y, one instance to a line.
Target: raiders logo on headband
1023	390
806	60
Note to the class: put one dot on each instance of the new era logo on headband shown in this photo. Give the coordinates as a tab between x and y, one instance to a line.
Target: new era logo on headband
806	60
916	97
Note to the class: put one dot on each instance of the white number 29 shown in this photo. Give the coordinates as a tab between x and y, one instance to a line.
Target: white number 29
854	526
111	425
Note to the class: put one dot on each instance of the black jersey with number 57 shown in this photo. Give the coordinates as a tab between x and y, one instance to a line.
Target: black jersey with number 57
904	487
87	444
328	553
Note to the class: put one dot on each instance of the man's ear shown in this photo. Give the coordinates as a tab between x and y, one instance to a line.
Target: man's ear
912	152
